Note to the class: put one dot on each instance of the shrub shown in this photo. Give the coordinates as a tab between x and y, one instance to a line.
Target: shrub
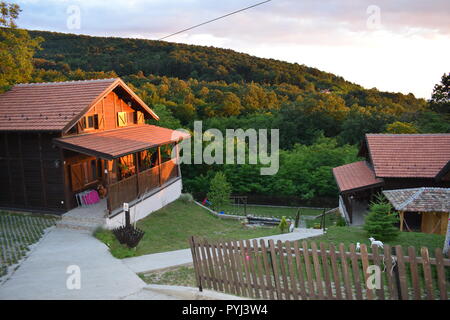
380	222
219	192
284	226
186	198
341	222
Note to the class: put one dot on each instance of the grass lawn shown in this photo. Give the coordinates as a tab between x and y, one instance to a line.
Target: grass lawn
348	235
170	228
177	276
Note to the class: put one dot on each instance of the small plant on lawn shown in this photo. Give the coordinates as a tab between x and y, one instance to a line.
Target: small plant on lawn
186	198
381	220
341	222
284	226
219	192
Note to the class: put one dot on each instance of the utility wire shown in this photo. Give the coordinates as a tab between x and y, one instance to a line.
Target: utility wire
218	18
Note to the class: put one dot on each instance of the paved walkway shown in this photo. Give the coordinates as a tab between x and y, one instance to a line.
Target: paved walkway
43	274
164	260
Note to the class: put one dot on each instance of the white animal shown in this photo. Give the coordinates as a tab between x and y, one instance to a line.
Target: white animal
358	246
291	228
376	242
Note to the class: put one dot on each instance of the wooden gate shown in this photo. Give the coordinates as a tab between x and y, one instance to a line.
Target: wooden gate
294	270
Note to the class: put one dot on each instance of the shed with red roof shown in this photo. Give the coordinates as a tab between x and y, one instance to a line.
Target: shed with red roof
392	161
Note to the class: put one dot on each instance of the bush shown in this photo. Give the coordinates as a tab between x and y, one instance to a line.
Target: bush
284	226
380	222
186	198
341	222
219	192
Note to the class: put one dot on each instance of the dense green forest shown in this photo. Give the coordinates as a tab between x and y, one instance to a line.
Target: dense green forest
322	117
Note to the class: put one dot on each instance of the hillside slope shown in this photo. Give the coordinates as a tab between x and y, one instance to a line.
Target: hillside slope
129	56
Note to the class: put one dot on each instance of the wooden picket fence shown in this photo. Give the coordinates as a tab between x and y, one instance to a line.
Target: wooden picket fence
294	270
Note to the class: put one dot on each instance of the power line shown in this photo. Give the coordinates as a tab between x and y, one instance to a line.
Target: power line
215	19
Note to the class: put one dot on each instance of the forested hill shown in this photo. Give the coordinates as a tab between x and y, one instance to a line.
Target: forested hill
321	117
130	56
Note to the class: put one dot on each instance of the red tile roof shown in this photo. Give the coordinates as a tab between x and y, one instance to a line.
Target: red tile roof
420	199
357	175
408	155
119	142
54	106
47	106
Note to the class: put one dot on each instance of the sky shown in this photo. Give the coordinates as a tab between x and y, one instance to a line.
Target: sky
392	45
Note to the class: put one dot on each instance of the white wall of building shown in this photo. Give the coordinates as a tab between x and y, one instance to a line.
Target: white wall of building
147	206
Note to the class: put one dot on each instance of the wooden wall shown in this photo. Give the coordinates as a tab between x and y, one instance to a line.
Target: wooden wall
107	110
434	222
31	172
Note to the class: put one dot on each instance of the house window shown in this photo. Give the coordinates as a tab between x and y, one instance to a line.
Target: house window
90	122
122	119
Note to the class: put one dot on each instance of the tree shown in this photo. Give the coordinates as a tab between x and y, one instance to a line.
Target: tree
16	48
440	98
380	222
401	127
220	191
432	122
166	118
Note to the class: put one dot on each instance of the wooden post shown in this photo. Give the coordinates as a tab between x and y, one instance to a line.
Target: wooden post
401	220
43	176
22	171
136	159
159	165
396	275
178	159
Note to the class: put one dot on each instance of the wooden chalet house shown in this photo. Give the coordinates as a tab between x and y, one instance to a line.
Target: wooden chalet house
59	139
392	161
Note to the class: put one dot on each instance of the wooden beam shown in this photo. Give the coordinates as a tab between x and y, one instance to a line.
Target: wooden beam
401	220
136	159
159	165
178	158
8	160
43	176
22	171
68	195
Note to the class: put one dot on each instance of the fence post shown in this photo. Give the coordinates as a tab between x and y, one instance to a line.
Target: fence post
245	206
323	220
396	274
196	265
273	261
297	218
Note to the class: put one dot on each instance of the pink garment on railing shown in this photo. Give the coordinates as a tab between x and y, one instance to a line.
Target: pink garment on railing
91	197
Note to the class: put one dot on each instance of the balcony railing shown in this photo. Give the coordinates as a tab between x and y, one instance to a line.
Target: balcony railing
137	185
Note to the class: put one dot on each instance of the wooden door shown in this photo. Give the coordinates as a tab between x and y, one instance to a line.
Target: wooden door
77	176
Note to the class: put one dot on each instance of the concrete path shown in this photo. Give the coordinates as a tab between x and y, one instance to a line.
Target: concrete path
43	274
156	261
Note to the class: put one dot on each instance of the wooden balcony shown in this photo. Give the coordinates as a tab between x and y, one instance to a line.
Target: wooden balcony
139	185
